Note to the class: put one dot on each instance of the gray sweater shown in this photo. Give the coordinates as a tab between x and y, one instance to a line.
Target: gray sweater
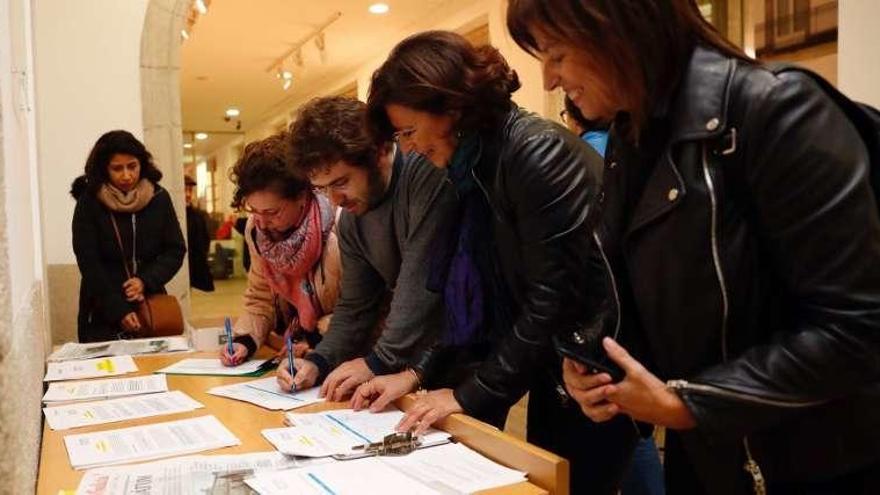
387	250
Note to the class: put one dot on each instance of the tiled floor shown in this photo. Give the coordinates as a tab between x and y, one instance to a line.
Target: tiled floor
226	301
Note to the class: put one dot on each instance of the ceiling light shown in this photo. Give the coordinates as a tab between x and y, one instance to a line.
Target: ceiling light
187	145
287	83
201	7
286	75
201	136
232	112
379	8
184	34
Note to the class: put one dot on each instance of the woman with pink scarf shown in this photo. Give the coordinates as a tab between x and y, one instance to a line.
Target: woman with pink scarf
293	282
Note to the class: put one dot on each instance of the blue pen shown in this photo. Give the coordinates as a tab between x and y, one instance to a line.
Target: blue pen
290	367
229	349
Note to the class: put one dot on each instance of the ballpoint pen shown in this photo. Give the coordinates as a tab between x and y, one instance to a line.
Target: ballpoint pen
290	367
229	349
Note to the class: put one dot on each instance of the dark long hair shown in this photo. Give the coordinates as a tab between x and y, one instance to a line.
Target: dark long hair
109	144
440	72
645	45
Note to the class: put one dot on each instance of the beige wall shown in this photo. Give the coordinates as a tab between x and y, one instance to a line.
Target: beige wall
859	47
448	16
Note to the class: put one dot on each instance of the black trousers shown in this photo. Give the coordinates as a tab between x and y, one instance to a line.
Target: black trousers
598	453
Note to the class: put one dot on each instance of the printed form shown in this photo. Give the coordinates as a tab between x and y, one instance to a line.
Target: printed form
337	432
211	366
89	368
148	442
105	389
115	410
266	393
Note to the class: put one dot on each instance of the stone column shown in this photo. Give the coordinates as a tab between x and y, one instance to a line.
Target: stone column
160	93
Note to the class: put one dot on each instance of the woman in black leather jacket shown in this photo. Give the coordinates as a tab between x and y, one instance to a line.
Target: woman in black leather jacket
740	234
511	268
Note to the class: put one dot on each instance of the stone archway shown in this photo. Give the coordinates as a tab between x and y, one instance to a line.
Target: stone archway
160	97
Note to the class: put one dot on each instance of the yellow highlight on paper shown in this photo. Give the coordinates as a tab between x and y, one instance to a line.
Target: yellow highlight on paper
66	492
106	365
101	446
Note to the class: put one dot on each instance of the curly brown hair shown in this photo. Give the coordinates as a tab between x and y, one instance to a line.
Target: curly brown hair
263	165
332	129
441	72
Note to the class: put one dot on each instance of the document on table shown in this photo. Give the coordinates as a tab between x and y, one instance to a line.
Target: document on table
211	366
454	467
89	368
266	393
74	350
147	442
122	409
104	389
337	432
193	474
368	476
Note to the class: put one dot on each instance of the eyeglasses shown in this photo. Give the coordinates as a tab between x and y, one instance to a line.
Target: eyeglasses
267	214
337	185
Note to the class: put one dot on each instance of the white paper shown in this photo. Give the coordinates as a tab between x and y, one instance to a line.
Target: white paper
182	475
454	467
74	350
102	389
89	368
211	366
337	432
122	409
369	476
266	393
141	443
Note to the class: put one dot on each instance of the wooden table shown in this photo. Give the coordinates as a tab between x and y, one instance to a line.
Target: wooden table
548	473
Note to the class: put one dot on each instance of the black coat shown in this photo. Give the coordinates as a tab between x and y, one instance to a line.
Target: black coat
752	257
198	243
160	252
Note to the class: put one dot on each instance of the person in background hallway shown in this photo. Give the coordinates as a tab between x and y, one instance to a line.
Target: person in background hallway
513	267
198	241
392	204
293	282
121	184
240	225
741	231
645	473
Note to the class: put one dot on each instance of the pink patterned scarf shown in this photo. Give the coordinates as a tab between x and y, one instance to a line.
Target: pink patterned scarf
290	262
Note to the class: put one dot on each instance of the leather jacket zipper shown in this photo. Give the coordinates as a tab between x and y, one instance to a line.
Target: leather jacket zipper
730	394
613	282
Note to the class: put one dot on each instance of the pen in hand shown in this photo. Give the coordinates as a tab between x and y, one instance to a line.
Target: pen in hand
229	348
290	367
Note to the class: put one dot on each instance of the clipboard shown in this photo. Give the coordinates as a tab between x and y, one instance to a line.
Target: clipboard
394	444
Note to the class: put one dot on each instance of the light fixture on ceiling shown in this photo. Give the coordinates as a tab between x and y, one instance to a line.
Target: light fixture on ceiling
294	53
201	136
201	7
379	8
232	112
187	146
184	35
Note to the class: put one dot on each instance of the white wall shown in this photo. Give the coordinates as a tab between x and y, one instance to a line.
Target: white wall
88	82
858	55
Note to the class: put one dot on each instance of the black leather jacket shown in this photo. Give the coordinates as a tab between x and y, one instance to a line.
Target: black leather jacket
753	259
539	181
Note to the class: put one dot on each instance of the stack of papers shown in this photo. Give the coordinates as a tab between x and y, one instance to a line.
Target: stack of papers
74	350
148	442
122	409
445	469
266	393
213	366
90	368
337	432
104	389
193	474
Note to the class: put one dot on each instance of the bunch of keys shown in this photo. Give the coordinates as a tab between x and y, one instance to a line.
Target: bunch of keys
393	444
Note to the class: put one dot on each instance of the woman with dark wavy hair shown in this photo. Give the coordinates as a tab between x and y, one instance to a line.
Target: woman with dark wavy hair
512	268
742	237
120	190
